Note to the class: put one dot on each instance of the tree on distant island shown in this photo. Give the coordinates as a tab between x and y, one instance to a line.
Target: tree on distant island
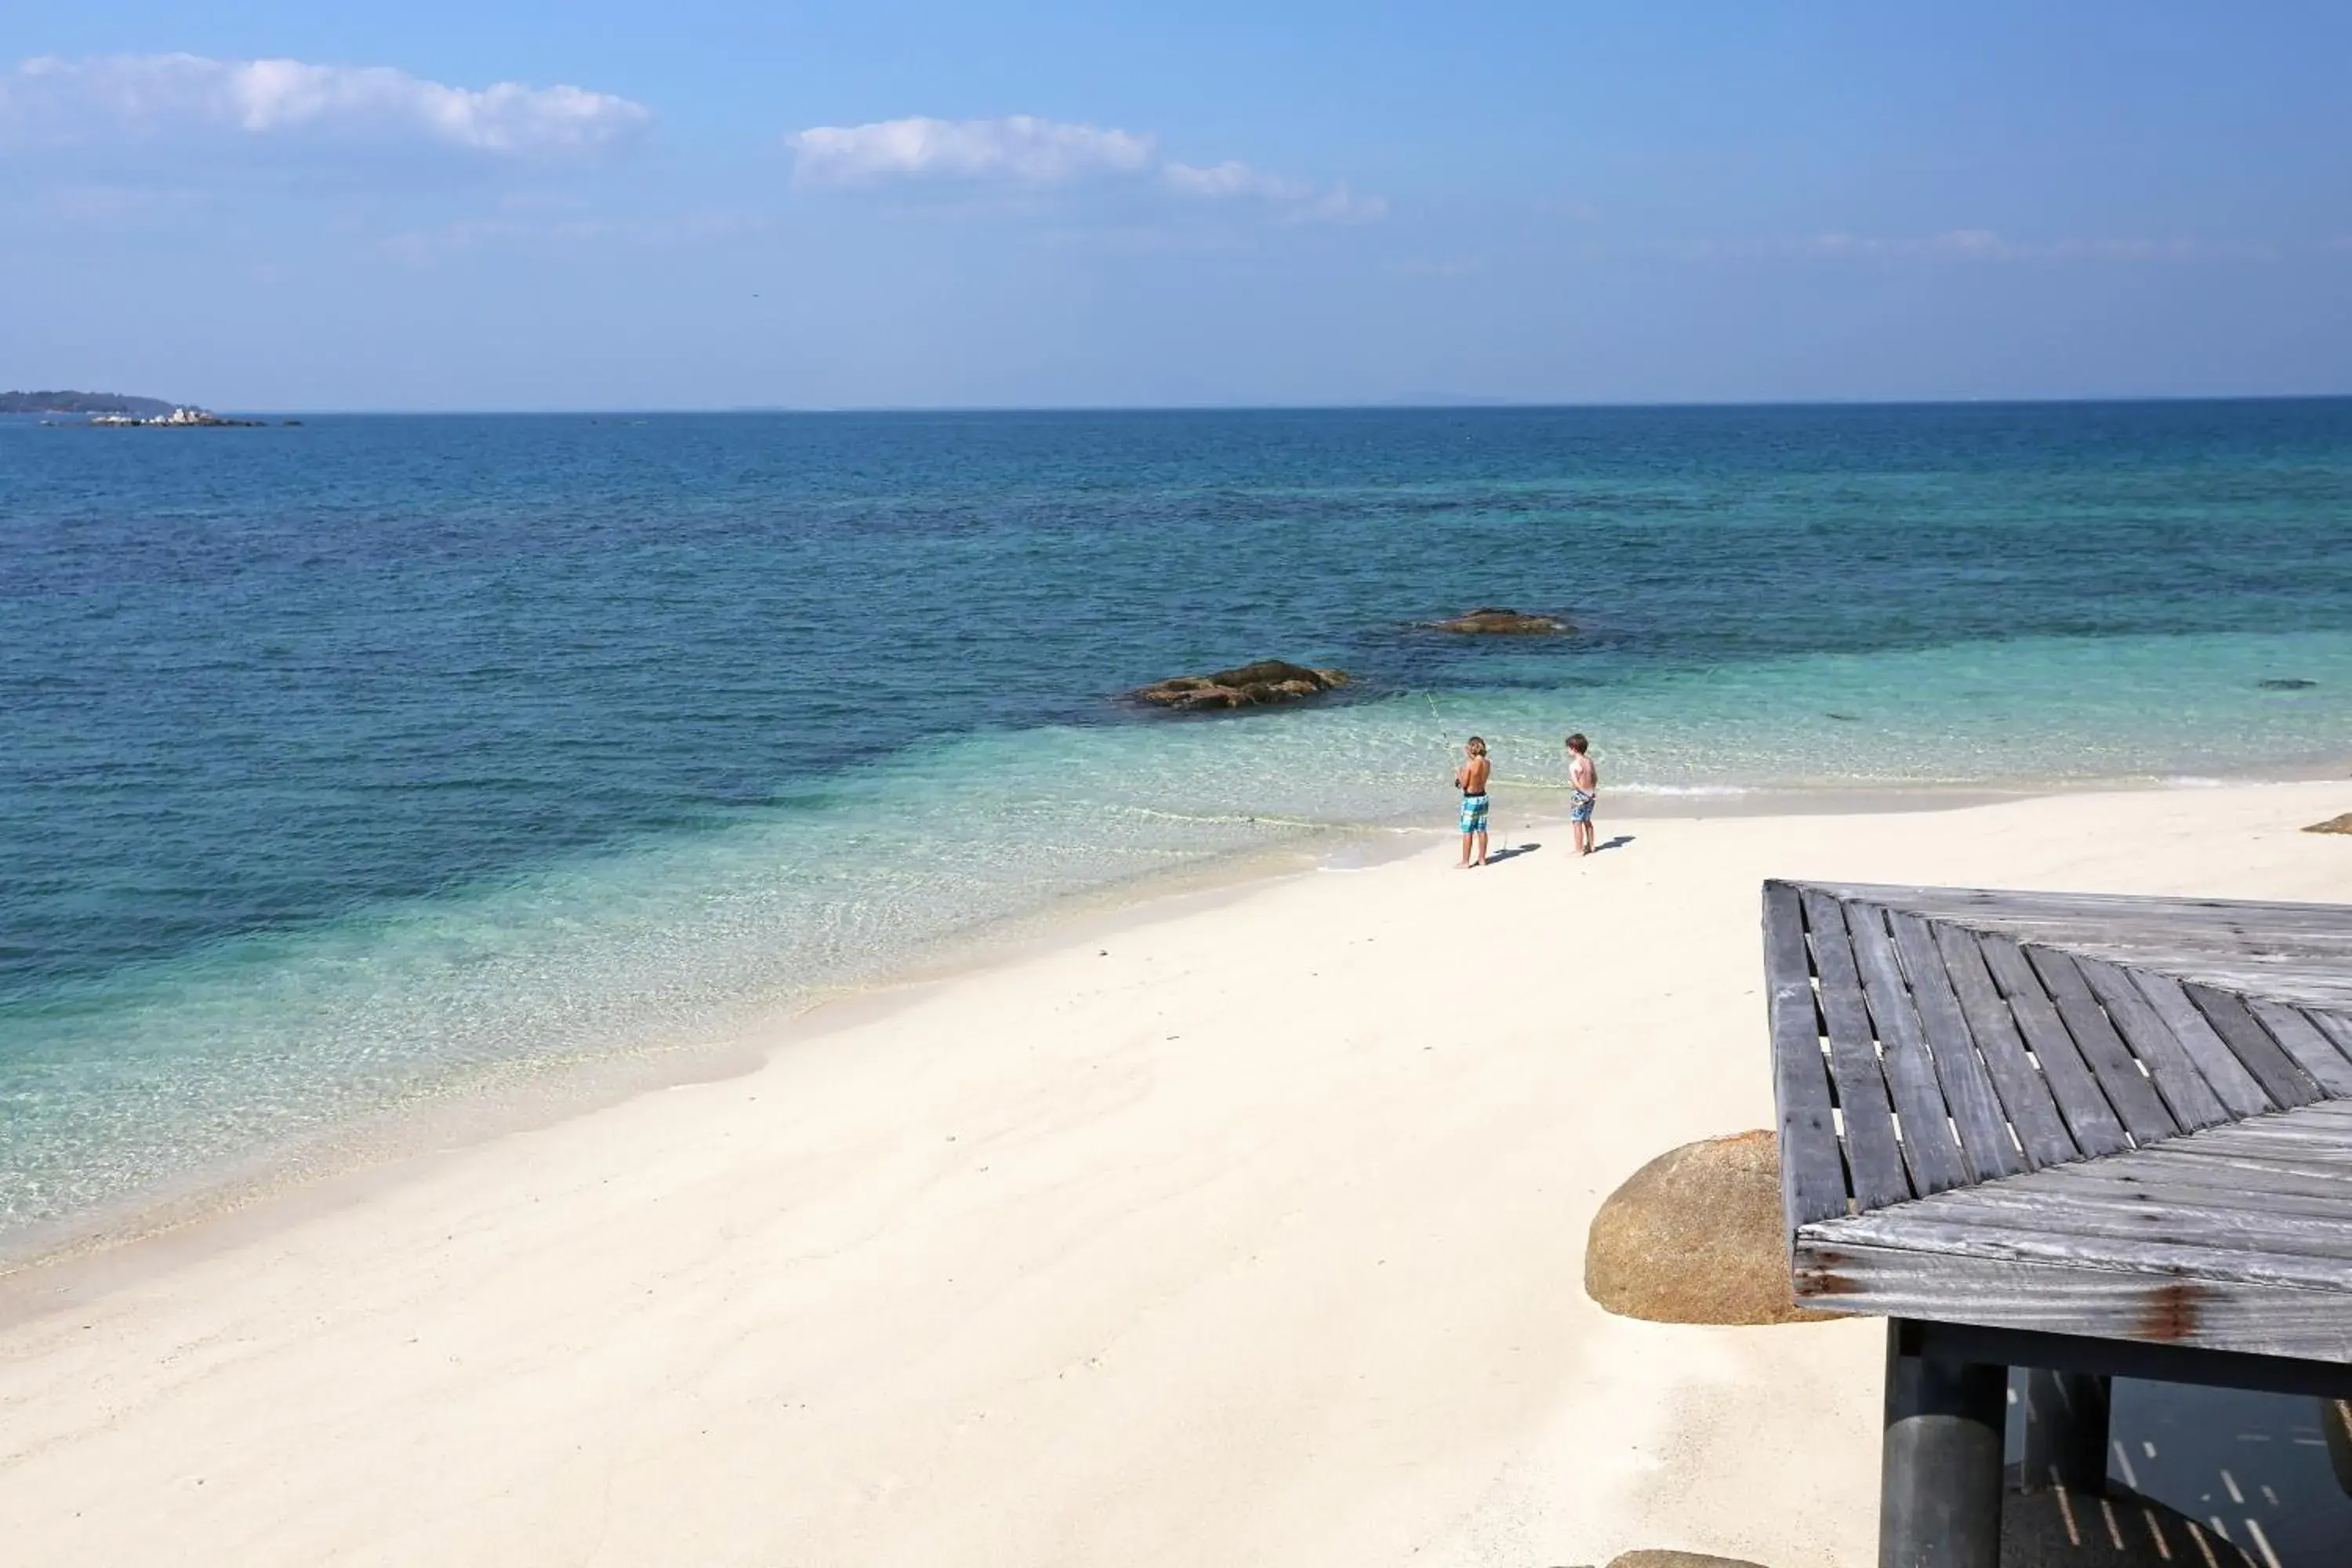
83	403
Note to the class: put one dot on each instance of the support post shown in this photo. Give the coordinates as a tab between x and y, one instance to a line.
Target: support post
2065	1432
1939	1484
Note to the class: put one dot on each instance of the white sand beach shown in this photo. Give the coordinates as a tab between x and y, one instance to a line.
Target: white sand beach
1243	1230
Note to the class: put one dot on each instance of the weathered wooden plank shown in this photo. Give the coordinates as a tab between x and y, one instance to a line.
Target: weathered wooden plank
2314	1052
2332	1114
2230	1082
2306	989
2284	1082
2250	1176
1812	1171
2321	1121
1929	1147
2289	1160
2295	953
1874	1158
2320	1133
2024	1093
2337	1027
2128	1089
1977	1235
2093	1121
2122	910
1859	1277
2288	956
2169	1184
2158	931
2320	1147
2116	1226
1985	1142
2186	1094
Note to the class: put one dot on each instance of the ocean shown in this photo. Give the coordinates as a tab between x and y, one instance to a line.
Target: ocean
381	762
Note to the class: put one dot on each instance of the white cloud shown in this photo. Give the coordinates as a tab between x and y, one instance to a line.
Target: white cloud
1230	179
1341	204
59	102
1019	147
1025	149
1295	201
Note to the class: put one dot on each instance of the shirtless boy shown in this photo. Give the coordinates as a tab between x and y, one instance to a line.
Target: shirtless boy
1470	778
1583	792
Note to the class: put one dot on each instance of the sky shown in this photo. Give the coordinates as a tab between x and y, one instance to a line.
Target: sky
706	203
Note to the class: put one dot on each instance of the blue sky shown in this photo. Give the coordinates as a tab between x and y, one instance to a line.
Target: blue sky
704	205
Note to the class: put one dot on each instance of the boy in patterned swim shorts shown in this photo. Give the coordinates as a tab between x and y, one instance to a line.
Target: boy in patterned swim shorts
1583	792
1470	778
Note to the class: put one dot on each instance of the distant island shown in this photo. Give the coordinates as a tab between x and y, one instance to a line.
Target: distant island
84	402
114	409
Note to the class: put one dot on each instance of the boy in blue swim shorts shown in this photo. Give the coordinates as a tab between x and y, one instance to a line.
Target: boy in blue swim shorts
1583	792
1470	778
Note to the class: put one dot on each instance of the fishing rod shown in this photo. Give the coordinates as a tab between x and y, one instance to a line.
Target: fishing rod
1445	740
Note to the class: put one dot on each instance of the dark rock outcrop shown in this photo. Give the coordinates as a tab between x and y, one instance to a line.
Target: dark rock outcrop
1267	683
1488	621
1694	1237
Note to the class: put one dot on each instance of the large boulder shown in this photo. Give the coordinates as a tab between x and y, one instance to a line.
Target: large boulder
1269	680
1487	621
1696	1236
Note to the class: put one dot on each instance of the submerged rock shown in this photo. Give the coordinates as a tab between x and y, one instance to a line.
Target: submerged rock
2290	683
1267	683
1488	621
1696	1236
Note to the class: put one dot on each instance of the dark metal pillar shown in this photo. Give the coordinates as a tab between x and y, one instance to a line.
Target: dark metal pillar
2065	1432
1940	1483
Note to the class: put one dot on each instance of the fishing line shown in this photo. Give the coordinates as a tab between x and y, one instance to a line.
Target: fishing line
1445	740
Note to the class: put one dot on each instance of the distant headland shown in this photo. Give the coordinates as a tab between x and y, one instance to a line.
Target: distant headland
114	409
84	402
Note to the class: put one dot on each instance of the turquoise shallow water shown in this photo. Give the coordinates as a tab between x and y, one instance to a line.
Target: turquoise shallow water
356	766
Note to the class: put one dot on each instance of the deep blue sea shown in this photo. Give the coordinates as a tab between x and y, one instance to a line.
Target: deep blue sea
373	761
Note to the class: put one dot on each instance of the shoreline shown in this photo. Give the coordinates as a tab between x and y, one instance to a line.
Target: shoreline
1240	1226
347	1161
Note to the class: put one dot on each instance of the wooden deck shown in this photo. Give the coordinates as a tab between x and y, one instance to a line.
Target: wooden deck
2122	1118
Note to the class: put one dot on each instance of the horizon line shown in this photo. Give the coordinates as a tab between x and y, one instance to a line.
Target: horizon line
1435	404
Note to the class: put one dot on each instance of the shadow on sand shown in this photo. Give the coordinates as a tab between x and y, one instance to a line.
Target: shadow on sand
1513	852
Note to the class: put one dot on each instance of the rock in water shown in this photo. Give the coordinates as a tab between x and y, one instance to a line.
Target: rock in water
2290	684
2333	824
1268	681
1694	1237
1487	621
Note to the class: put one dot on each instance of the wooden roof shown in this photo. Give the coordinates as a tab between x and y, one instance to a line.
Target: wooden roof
2096	1115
